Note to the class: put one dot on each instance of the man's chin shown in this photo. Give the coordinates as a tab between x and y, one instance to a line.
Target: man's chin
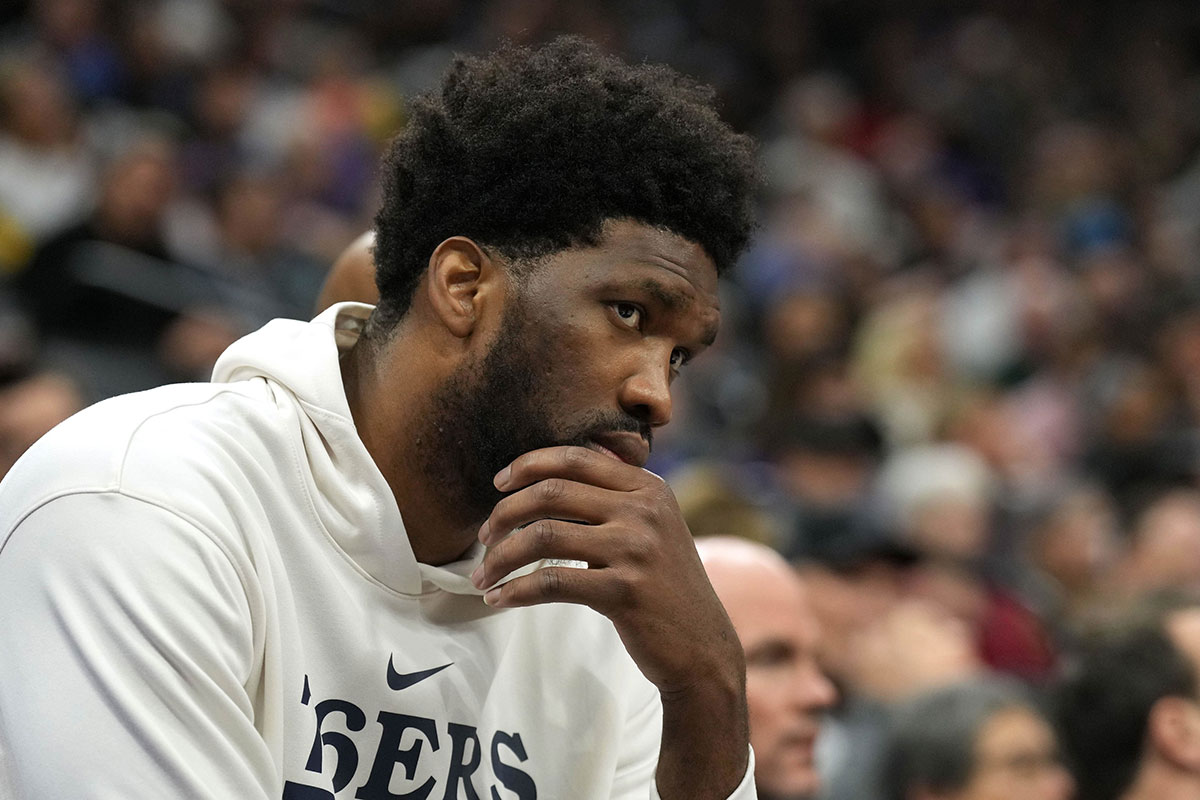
800	784
478	505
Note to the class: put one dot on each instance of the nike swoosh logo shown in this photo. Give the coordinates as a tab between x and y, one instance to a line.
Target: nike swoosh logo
403	680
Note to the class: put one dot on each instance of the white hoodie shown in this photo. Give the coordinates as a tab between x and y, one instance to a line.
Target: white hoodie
206	591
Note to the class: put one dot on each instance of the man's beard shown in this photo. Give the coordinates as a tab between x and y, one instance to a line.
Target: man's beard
494	409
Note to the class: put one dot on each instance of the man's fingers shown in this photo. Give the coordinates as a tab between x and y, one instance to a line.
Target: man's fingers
574	463
543	538
552	585
556	498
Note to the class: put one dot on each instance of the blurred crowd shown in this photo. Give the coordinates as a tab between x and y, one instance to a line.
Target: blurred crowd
958	380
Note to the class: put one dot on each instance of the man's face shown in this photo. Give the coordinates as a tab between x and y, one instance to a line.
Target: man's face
1016	755
785	688
585	355
1179	744
1183	626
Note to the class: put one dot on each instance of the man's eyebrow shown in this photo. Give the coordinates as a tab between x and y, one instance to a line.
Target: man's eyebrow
773	649
669	298
676	301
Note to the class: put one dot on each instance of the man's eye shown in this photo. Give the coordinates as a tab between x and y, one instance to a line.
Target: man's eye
679	357
629	314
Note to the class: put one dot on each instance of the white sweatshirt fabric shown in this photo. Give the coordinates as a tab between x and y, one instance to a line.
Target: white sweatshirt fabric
206	591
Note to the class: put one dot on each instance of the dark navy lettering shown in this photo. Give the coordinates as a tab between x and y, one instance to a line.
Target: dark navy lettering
515	780
461	770
343	745
389	755
298	791
454	774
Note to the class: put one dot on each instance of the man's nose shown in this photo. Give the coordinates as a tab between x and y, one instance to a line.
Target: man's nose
813	689
646	393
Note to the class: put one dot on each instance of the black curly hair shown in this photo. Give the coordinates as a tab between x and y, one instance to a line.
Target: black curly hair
529	151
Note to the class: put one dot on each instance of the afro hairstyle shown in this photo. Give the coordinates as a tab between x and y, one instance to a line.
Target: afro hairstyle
529	151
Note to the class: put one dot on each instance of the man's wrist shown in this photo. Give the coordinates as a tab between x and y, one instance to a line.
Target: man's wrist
706	738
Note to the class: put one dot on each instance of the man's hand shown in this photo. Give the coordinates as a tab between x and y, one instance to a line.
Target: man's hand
644	575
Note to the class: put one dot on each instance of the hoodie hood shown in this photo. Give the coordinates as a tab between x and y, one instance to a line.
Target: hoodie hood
299	361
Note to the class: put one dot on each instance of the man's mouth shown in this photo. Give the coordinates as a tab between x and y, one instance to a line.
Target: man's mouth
801	742
799	751
628	447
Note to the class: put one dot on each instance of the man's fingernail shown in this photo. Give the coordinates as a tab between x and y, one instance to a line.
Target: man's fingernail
477	577
484	529
491	596
501	479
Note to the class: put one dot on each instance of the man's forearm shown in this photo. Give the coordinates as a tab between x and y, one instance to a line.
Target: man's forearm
705	742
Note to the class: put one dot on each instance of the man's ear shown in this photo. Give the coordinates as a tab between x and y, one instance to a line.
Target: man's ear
460	282
1173	730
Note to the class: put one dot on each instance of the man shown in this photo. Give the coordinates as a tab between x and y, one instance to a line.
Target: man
785	689
1130	707
979	739
271	585
352	276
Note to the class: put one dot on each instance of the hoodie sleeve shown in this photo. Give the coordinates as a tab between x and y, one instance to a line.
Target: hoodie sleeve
126	640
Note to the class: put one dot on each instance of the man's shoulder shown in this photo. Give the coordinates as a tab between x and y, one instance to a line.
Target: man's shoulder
146	437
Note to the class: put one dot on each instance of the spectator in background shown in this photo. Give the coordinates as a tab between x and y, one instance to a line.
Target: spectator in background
46	172
108	300
1073	549
786	691
221	103
1130	708
1135	448
78	35
900	362
30	407
260	274
943	498
33	398
352	276
825	464
136	189
983	739
880	644
1164	546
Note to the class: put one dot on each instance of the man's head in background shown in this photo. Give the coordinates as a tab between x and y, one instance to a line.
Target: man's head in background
1129	707
1164	545
980	739
352	277
880	640
785	689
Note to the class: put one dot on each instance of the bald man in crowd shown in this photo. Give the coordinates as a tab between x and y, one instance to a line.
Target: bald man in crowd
785	689
352	277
